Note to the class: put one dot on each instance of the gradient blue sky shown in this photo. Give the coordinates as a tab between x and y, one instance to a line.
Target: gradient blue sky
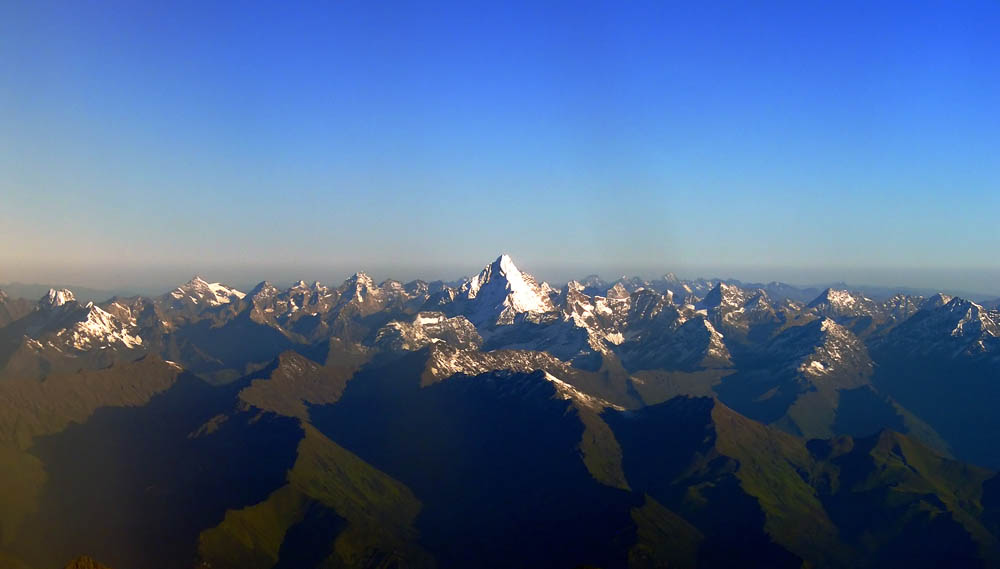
784	139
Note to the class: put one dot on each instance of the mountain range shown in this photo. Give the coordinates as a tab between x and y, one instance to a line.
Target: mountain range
499	421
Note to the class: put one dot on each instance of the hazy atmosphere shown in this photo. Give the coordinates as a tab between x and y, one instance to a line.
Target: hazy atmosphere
453	285
851	141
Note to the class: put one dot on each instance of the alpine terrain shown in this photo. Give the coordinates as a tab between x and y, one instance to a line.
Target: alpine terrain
499	422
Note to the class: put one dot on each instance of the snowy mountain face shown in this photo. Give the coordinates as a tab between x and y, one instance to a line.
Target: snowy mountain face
429	328
866	317
66	326
360	288
936	301
675	339
501	292
824	349
601	319
959	327
97	329
56	298
59	335
901	306
725	296
199	292
839	303
732	308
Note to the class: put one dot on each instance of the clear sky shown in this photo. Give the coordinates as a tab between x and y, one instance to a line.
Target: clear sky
422	139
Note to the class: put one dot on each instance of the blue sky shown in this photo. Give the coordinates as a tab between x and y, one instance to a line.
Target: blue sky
788	138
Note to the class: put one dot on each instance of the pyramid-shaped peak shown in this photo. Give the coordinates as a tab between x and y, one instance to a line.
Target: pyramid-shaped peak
504	268
936	301
359	281
617	292
832	296
505	264
501	288
359	287
958	303
723	294
263	287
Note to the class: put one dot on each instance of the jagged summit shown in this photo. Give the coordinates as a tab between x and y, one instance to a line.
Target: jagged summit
359	281
303	286
97	328
55	298
360	286
824	348
360	276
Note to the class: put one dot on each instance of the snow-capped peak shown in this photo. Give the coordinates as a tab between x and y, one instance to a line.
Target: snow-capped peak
56	298
724	295
224	293
100	329
197	290
971	319
839	299
359	287
502	290
617	292
938	300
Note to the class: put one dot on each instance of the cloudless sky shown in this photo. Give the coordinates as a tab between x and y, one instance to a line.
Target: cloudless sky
422	139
